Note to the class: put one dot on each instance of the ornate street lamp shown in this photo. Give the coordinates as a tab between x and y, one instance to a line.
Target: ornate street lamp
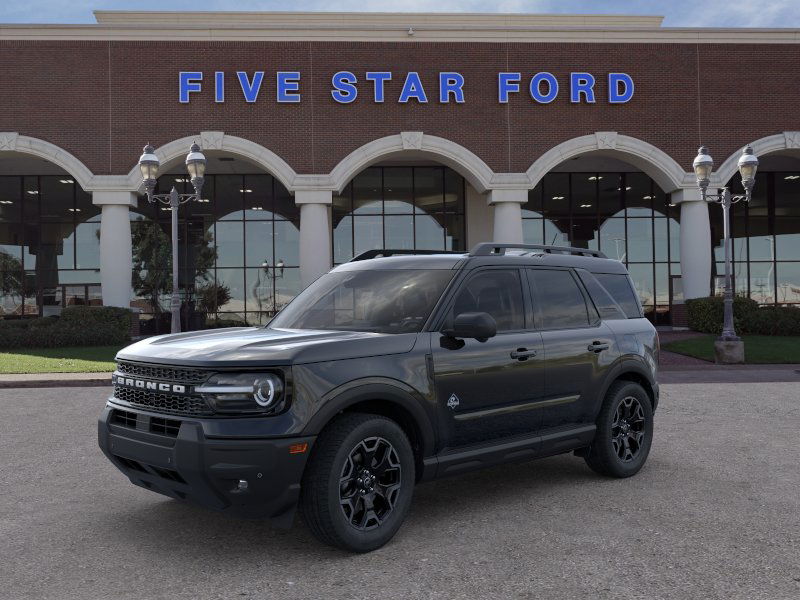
196	165
703	165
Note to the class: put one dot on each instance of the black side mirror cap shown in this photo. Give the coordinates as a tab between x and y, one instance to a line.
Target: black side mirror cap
478	325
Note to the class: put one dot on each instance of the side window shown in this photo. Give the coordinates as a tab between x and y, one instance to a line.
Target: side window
560	300
619	286
497	292
607	306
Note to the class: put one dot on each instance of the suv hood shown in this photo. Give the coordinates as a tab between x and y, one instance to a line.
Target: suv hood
259	346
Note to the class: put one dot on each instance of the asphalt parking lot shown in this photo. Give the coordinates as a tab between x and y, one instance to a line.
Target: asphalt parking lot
714	514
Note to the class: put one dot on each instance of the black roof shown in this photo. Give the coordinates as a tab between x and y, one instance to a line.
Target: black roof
486	254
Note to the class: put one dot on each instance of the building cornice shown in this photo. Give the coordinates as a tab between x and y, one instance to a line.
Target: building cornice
388	27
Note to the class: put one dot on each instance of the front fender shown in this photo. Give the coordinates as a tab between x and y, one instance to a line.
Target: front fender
393	391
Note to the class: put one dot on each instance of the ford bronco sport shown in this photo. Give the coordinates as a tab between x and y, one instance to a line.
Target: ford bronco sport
393	368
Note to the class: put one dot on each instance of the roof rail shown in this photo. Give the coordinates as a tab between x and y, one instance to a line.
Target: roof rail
489	248
384	252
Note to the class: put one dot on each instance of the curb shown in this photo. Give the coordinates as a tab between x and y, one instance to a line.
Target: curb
100	381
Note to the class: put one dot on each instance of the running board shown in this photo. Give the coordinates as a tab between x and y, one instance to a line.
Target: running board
537	446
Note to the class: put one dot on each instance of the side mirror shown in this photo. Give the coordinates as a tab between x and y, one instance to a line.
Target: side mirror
478	325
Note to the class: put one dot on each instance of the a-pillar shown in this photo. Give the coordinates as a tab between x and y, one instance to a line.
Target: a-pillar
695	243
507	205
115	246
315	233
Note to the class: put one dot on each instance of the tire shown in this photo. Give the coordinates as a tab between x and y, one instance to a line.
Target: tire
624	431
345	505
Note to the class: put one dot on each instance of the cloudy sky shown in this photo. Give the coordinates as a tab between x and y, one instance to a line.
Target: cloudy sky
678	13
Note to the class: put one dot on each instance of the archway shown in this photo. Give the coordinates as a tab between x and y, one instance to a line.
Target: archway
598	201
238	246
765	233
49	230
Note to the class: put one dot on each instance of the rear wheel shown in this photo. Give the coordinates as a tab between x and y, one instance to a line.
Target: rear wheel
624	431
357	488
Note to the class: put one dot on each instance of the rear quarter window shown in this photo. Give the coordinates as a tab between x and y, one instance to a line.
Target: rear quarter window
619	287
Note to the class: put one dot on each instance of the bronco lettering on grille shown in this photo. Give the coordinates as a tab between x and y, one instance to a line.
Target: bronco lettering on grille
154	386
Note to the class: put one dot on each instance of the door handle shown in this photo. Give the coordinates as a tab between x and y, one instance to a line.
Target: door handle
522	354
597	347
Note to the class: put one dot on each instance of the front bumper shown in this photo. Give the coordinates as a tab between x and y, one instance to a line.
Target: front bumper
173	456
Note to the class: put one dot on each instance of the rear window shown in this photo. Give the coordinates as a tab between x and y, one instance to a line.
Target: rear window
605	304
561	303
619	286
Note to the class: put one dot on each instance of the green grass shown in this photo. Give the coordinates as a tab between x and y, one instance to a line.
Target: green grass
88	359
758	349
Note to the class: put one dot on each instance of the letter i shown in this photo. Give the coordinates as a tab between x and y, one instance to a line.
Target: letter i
219	86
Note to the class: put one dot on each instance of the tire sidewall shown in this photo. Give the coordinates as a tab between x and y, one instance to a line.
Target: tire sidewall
364	541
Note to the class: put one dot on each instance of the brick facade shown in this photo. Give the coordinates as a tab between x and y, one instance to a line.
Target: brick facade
101	100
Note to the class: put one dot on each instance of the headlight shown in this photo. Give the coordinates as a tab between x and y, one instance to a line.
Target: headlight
243	392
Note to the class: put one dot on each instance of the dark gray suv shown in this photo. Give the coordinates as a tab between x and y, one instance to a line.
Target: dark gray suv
394	368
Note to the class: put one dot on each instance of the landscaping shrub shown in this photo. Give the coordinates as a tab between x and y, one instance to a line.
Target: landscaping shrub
77	326
706	315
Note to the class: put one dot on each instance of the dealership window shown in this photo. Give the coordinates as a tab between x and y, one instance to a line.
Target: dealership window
624	215
420	208
238	252
49	246
765	240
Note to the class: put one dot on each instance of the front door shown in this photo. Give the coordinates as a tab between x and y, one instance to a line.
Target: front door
487	390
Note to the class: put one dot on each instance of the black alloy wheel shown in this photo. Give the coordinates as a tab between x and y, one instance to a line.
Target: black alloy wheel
628	429
370	483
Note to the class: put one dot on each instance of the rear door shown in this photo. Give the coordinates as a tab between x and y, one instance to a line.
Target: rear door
488	390
578	347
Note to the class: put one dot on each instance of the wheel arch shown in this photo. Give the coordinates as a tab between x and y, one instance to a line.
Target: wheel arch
637	373
386	399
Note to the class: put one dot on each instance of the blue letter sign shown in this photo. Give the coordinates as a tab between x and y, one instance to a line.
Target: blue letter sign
288	86
615	96
451	83
507	83
250	90
412	88
188	81
344	91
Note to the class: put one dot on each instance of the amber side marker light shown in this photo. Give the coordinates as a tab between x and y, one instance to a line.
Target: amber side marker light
298	448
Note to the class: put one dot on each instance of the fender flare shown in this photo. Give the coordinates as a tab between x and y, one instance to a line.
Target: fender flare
629	365
374	388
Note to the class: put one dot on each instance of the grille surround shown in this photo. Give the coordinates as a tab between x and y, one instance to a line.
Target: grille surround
189	405
183	375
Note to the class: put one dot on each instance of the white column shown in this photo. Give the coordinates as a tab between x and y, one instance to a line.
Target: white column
508	214
115	246
315	233
695	243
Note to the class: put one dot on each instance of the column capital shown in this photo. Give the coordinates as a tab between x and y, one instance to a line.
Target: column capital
120	197
681	195
313	196
498	196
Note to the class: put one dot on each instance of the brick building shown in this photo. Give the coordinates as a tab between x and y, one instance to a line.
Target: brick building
330	134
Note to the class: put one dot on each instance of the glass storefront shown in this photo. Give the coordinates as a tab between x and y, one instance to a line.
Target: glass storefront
765	240
420	208
49	246
238	252
624	215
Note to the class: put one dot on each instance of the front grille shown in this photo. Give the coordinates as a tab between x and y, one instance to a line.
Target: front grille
163	402
161	373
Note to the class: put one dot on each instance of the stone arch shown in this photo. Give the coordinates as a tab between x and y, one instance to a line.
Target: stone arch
656	163
231	144
787	142
414	143
11	141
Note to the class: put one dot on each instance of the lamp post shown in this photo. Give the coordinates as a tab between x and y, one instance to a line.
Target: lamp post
196	165
728	347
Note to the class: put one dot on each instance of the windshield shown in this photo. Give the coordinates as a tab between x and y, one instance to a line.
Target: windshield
391	301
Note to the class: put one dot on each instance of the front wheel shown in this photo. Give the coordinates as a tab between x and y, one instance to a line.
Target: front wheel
624	431
357	488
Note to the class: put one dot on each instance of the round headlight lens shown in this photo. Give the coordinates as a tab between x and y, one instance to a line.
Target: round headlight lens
267	390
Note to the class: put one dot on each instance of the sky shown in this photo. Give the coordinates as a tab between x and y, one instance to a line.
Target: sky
678	13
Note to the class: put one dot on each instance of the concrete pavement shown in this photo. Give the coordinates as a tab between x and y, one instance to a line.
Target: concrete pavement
714	514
